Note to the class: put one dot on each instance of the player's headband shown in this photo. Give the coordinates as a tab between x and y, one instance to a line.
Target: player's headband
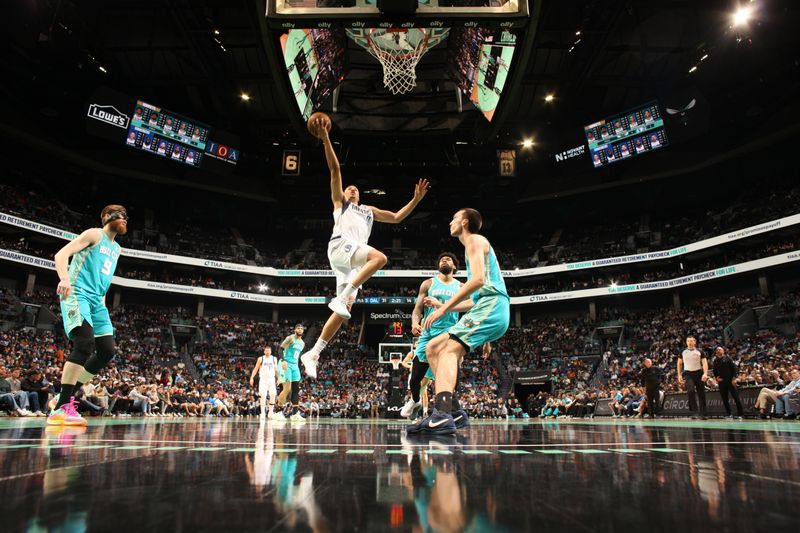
118	214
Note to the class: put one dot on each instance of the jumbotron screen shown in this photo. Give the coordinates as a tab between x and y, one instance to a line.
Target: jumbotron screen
167	134
479	60
620	137
314	62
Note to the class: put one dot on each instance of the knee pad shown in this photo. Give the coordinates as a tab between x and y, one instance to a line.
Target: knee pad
82	345
104	354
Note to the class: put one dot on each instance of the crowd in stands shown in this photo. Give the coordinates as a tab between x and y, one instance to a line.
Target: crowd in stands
149	376
301	244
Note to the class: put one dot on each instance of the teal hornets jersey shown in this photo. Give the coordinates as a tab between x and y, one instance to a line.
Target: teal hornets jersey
494	284
292	352
92	269
443	292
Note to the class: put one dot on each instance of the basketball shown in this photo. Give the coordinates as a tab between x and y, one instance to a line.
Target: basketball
311	123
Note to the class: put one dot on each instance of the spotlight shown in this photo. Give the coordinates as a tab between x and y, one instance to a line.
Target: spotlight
705	56
527	143
216	32
742	15
549	97
692	69
262	287
613	283
245	97
102	69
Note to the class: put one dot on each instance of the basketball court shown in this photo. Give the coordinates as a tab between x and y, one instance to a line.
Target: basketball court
337	475
630	162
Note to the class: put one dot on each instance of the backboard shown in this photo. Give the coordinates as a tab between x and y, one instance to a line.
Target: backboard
287	14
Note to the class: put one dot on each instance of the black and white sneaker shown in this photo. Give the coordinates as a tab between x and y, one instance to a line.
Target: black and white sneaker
437	423
461	419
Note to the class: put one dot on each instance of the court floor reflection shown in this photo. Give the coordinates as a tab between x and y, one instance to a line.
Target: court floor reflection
211	475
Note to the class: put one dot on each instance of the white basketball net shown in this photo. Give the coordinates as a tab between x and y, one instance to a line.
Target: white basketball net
399	51
395	363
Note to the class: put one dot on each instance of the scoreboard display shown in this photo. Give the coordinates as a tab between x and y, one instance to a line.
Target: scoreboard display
620	137
167	134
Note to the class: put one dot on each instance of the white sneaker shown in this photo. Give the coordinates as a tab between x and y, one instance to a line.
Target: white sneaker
408	408
278	416
340	308
297	416
309	360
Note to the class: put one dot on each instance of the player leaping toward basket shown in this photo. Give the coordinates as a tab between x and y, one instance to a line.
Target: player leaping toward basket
351	258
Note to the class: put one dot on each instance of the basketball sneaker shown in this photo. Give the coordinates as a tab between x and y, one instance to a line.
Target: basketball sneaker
461	419
297	416
437	423
338	306
309	360
66	415
279	416
408	408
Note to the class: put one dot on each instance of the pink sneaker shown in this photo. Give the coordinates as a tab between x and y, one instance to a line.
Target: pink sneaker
66	415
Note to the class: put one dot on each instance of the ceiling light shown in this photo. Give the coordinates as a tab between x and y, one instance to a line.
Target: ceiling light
705	56
578	32
741	16
216	32
102	69
692	69
262	287
613	283
245	97
549	97
527	143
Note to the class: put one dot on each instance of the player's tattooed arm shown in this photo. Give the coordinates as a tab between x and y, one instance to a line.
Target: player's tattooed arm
419	308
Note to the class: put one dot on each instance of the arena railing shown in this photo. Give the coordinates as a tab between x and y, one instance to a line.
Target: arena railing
749	266
732	236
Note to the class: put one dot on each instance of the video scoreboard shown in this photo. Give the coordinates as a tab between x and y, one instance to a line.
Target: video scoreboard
620	137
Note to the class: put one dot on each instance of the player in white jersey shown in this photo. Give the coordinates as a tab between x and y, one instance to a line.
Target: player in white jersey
351	258
267	370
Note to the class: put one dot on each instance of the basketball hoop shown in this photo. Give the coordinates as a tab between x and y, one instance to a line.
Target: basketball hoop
395	363
398	50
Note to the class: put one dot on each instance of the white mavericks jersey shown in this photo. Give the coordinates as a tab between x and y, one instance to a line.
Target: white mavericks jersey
268	366
352	222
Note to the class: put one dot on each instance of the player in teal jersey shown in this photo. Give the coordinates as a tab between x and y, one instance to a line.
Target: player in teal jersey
82	289
292	347
485	298
433	292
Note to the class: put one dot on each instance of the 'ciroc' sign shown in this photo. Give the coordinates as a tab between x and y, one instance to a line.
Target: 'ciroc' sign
569	154
110	115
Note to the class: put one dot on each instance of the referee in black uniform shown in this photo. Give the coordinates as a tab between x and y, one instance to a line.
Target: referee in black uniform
651	378
694	365
725	372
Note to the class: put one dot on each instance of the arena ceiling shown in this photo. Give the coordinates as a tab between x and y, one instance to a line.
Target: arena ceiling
595	57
